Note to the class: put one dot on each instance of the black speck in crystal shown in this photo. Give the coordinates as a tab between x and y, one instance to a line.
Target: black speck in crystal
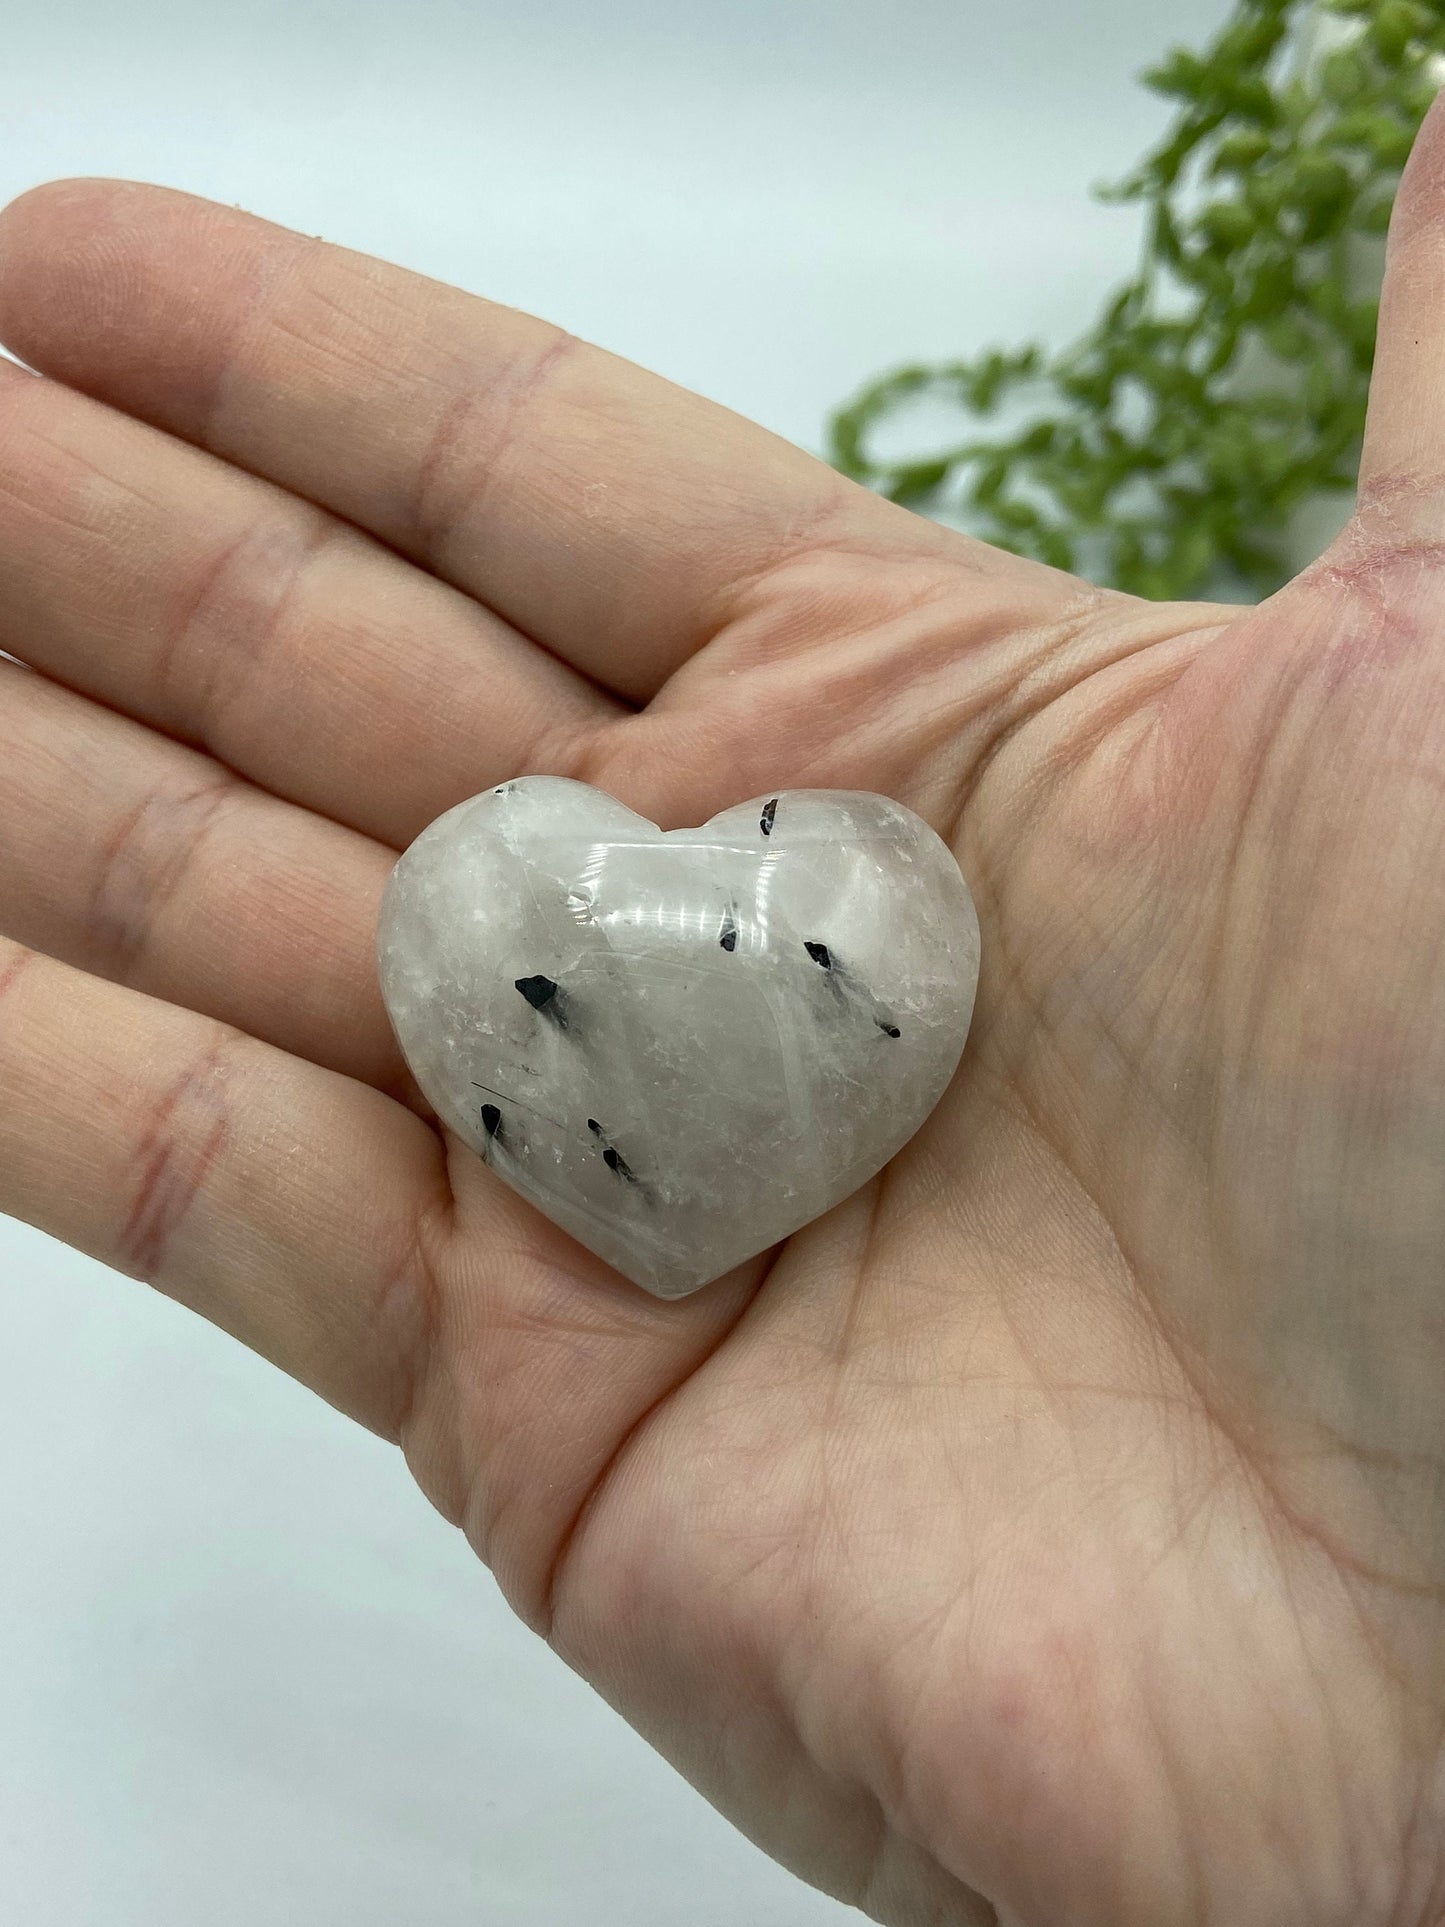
770	810
889	1030
594	1127
820	954
491	1120
496	1131
615	1161
538	991
729	937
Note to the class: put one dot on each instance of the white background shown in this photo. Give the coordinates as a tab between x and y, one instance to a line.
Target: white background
247	1677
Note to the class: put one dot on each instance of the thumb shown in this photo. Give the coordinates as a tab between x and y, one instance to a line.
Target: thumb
1404	450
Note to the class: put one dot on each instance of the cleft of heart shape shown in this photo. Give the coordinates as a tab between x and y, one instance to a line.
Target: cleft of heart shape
682	1045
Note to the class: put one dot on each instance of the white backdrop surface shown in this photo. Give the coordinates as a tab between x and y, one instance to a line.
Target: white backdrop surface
247	1676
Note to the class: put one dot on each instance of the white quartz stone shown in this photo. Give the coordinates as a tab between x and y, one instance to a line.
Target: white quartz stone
680	1046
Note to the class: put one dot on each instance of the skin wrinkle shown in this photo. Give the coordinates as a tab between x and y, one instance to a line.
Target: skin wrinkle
441	505
208	399
865	1891
1298	674
1365	560
1008	1077
804	539
353	362
1199	1912
1334	1442
1075	747
864	1807
892	650
1354	1844
905	1769
267	880
281	555
1254	1463
237	667
188	614
571	1537
798	608
169	1172
410	1302
1377	496
426	525
1140	1292
871	1896
433	528
1337	1555
1361	1849
1409	1909
924	673
918	1634
854	1311
144	862
1021	1712
63	511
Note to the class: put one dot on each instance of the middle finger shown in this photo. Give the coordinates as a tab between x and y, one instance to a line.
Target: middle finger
232	615
139	860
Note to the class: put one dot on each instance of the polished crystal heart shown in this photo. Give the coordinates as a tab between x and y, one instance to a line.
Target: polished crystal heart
683	1045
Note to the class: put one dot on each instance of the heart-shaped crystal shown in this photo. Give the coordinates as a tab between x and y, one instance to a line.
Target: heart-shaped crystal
680	1045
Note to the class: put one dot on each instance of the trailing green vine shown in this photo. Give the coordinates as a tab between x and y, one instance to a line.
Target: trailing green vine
1225	384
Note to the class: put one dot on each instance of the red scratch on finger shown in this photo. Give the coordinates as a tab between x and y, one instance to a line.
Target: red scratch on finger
13	971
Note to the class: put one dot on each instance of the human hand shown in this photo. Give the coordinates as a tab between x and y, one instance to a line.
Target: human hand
1052	1532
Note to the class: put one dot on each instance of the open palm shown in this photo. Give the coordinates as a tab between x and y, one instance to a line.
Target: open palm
1052	1533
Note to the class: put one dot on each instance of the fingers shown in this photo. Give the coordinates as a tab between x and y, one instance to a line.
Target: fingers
1404	453
228	613
144	862
286	1204
314	1220
610	515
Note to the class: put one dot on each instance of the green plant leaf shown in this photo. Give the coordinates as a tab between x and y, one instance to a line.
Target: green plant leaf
917	480
1225	383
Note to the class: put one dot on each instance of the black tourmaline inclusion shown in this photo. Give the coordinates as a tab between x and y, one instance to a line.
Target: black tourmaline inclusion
538	991
615	1161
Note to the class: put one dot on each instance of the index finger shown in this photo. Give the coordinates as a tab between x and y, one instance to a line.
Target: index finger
613	517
